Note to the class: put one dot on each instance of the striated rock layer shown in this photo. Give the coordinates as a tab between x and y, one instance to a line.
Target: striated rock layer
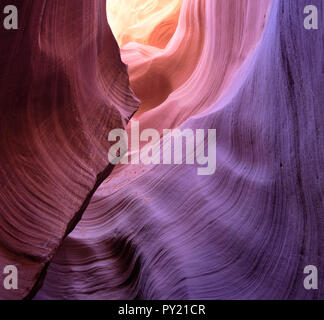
211	42
62	88
246	232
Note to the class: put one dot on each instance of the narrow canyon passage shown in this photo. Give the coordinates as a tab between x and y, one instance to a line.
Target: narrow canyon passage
78	226
162	232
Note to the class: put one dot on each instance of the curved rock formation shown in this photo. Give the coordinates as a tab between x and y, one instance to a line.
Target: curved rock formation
203	54
149	22
246	232
62	88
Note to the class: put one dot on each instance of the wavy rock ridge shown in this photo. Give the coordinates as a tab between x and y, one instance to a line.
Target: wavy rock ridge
247	68
62	88
246	232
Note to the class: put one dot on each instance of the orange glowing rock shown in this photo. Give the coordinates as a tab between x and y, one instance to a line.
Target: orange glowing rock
150	22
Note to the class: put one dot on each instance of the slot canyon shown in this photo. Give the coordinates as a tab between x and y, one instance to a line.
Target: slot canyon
79	227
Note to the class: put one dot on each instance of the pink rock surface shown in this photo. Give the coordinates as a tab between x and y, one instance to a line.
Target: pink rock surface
199	61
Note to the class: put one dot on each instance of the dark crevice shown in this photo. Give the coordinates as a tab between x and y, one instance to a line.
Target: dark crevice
101	177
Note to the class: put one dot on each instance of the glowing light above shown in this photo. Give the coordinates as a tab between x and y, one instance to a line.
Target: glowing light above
150	22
